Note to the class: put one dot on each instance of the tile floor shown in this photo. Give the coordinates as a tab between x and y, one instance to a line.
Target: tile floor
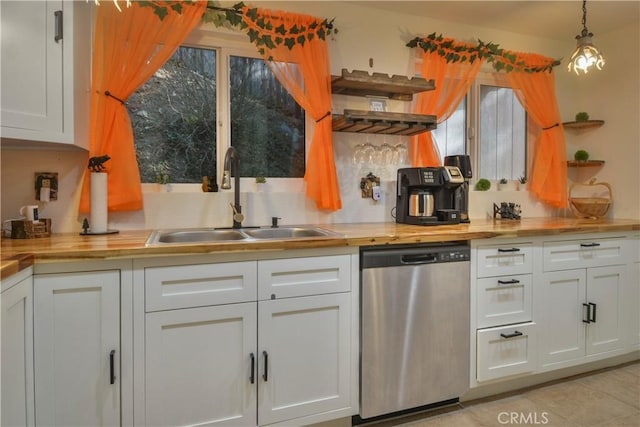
605	398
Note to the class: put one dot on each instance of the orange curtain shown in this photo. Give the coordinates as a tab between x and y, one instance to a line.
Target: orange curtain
536	93
452	82
304	71
128	48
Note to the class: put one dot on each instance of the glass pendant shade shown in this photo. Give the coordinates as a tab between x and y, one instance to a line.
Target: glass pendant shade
585	56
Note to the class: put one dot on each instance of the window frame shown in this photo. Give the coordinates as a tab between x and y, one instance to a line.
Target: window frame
228	43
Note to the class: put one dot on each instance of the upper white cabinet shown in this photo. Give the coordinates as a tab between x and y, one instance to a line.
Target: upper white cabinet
46	51
77	348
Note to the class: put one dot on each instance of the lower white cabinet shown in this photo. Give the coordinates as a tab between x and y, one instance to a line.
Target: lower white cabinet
506	350
17	351
283	355
77	348
581	313
201	366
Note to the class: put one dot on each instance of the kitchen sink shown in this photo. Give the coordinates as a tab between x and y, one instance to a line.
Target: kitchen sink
210	235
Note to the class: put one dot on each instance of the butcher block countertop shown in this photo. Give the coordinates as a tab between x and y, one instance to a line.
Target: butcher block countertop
129	244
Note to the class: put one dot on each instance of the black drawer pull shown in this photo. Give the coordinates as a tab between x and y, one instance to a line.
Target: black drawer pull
266	366
509	250
588	307
508	282
593	318
589	245
58	26
112	367
513	335
252	377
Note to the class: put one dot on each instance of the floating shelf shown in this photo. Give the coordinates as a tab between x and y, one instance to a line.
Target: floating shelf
584	163
383	122
361	83
585	124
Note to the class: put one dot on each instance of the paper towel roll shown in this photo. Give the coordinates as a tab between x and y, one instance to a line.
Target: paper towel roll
98	217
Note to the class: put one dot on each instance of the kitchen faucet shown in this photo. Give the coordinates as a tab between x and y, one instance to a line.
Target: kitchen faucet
232	155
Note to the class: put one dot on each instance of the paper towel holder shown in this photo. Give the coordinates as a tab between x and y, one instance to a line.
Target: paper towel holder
86	227
96	166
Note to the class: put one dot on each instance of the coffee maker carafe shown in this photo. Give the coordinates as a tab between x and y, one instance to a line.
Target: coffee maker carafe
425	196
463	162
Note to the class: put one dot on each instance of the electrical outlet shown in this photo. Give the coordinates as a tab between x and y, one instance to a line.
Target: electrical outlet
46	182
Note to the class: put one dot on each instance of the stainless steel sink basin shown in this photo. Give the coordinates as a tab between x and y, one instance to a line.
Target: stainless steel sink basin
194	236
287	233
209	235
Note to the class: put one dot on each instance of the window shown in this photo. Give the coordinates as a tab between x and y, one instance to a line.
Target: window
207	98
497	125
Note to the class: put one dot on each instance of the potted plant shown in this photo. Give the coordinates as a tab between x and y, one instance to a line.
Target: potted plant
505	185
162	175
483	184
261	183
582	116
522	183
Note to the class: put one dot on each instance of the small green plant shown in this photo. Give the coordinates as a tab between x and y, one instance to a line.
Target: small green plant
503	180
522	179
162	172
261	180
483	184
582	116
581	156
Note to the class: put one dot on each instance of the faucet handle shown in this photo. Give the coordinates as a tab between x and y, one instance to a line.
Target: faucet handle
237	216
274	221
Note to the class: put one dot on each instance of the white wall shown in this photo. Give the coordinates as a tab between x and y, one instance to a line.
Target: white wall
365	33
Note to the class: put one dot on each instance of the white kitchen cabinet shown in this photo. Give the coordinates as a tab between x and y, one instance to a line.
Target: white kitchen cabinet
222	356
506	350
632	310
304	349
199	366
581	313
46	82
17	350
77	348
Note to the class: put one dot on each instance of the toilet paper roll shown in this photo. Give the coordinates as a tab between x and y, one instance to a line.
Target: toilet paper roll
98	217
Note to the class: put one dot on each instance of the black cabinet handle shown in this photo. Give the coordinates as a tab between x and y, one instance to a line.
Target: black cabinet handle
252	377
508	282
112	367
588	313
593	317
589	245
266	366
514	334
509	250
58	28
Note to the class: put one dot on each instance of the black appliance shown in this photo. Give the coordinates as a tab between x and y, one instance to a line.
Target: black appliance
418	187
463	162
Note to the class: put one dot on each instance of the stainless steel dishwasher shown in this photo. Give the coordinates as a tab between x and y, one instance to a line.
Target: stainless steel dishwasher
414	327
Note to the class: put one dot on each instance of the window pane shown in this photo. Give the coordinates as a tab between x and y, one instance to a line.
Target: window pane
450	135
267	125
502	139
174	116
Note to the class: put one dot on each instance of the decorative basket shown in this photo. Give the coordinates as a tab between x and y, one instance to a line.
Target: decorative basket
26	229
591	207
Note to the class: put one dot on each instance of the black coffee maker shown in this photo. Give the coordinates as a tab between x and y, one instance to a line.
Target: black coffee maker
462	162
426	196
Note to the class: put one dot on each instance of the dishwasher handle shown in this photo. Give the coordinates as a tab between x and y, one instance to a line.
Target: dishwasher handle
414	259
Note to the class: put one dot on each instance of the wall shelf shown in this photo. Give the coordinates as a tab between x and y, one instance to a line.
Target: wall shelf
379	122
584	163
361	83
585	124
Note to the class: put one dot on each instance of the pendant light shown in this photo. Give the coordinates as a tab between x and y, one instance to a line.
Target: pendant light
586	54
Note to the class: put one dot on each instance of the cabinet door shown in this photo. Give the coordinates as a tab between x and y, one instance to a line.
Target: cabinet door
605	290
76	329
304	356
32	89
632	311
199	366
562	331
17	355
503	300
506	350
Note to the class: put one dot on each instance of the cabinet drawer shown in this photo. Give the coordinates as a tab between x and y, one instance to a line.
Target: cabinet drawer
199	285
293	277
503	300
507	350
504	259
569	254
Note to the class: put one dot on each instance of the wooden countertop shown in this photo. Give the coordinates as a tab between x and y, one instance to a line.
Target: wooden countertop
127	244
